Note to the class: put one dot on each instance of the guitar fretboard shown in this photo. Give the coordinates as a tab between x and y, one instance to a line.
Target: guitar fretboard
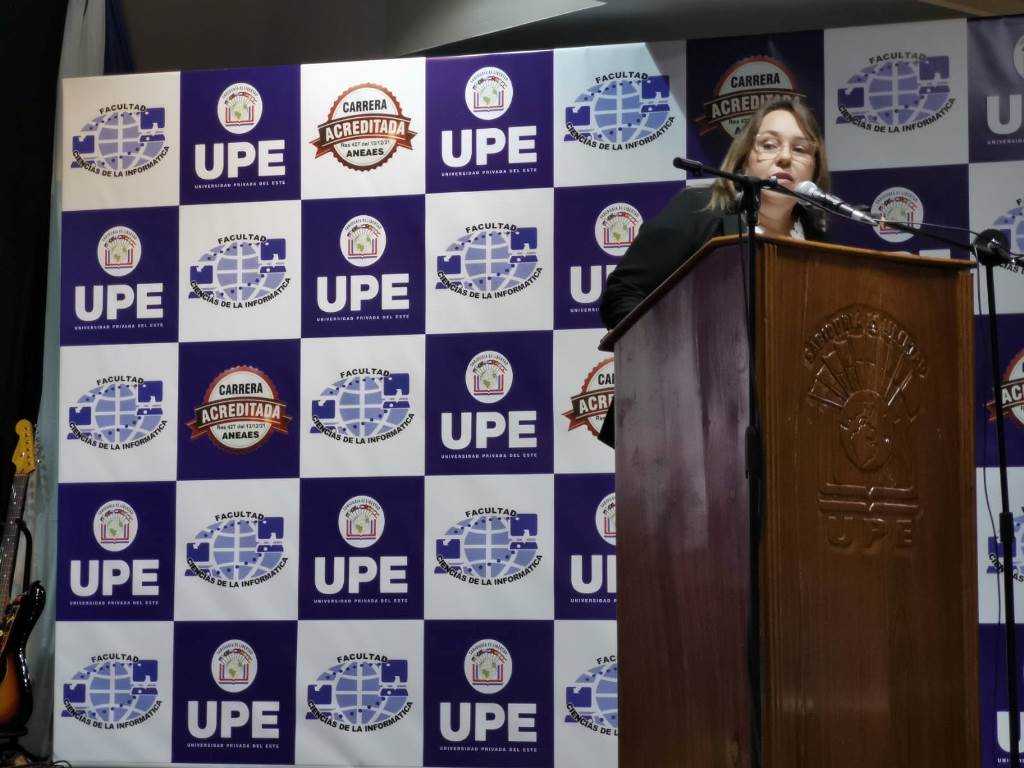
10	536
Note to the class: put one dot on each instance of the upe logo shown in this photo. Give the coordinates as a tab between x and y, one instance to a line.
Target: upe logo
490	261
1018	56
364	128
123	140
363	692
239	108
1011	393
490	546
362	241
897	204
361	521
119	413
365	405
239	549
115	691
593	700
115	525
240	272
590	405
604	519
897	92
742	89
616	228
489	93
119	251
489	376
234	666
240	410
488	666
622	111
1011	224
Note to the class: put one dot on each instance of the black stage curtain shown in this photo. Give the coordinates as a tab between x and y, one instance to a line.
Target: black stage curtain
31	33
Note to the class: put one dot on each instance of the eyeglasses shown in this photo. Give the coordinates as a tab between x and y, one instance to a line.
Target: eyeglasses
768	146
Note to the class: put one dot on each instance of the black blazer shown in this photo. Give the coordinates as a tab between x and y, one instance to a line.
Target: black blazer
661	246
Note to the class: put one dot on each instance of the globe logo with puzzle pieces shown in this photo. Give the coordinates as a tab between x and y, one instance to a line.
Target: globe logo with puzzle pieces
897	92
240	272
240	549
365	405
490	262
123	140
624	110
120	413
363	692
117	690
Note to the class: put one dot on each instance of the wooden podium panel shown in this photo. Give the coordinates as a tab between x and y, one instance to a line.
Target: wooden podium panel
868	638
682	544
869	515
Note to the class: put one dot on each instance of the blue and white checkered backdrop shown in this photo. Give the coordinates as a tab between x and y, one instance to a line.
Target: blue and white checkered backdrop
331	492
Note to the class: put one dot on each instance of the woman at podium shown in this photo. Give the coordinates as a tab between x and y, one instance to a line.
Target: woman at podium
783	140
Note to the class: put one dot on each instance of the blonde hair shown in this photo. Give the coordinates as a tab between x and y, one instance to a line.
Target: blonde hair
723	192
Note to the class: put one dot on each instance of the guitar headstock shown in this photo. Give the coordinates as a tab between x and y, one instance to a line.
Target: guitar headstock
24	457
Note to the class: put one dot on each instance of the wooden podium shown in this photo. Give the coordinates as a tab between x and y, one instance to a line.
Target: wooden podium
865	633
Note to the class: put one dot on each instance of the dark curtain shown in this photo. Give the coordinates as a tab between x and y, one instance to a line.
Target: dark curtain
30	43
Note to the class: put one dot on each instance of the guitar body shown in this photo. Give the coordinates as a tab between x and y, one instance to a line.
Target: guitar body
15	687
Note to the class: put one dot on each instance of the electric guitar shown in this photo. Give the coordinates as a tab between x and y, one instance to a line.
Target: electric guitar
21	613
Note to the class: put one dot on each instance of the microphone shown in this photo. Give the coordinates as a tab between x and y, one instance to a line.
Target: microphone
992	244
810	191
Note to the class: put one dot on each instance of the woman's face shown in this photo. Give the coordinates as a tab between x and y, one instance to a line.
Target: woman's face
782	150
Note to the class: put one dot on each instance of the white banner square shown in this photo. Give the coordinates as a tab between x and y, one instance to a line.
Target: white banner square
240	271
120	141
489	547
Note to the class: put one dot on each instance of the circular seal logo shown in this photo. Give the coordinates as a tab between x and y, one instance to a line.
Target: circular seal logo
616	227
489	93
362	241
1018	56
240	410
896	204
590	405
604	519
361	521
234	666
115	525
239	108
1012	392
364	128
119	251
489	376
488	666
741	90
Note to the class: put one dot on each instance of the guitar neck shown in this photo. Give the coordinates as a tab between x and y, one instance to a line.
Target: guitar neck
10	536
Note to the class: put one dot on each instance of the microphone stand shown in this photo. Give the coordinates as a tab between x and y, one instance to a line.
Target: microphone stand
750	203
990	252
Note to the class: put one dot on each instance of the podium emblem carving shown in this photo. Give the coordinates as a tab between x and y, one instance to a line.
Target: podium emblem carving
866	376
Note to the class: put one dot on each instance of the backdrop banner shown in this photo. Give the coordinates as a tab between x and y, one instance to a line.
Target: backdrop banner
331	492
